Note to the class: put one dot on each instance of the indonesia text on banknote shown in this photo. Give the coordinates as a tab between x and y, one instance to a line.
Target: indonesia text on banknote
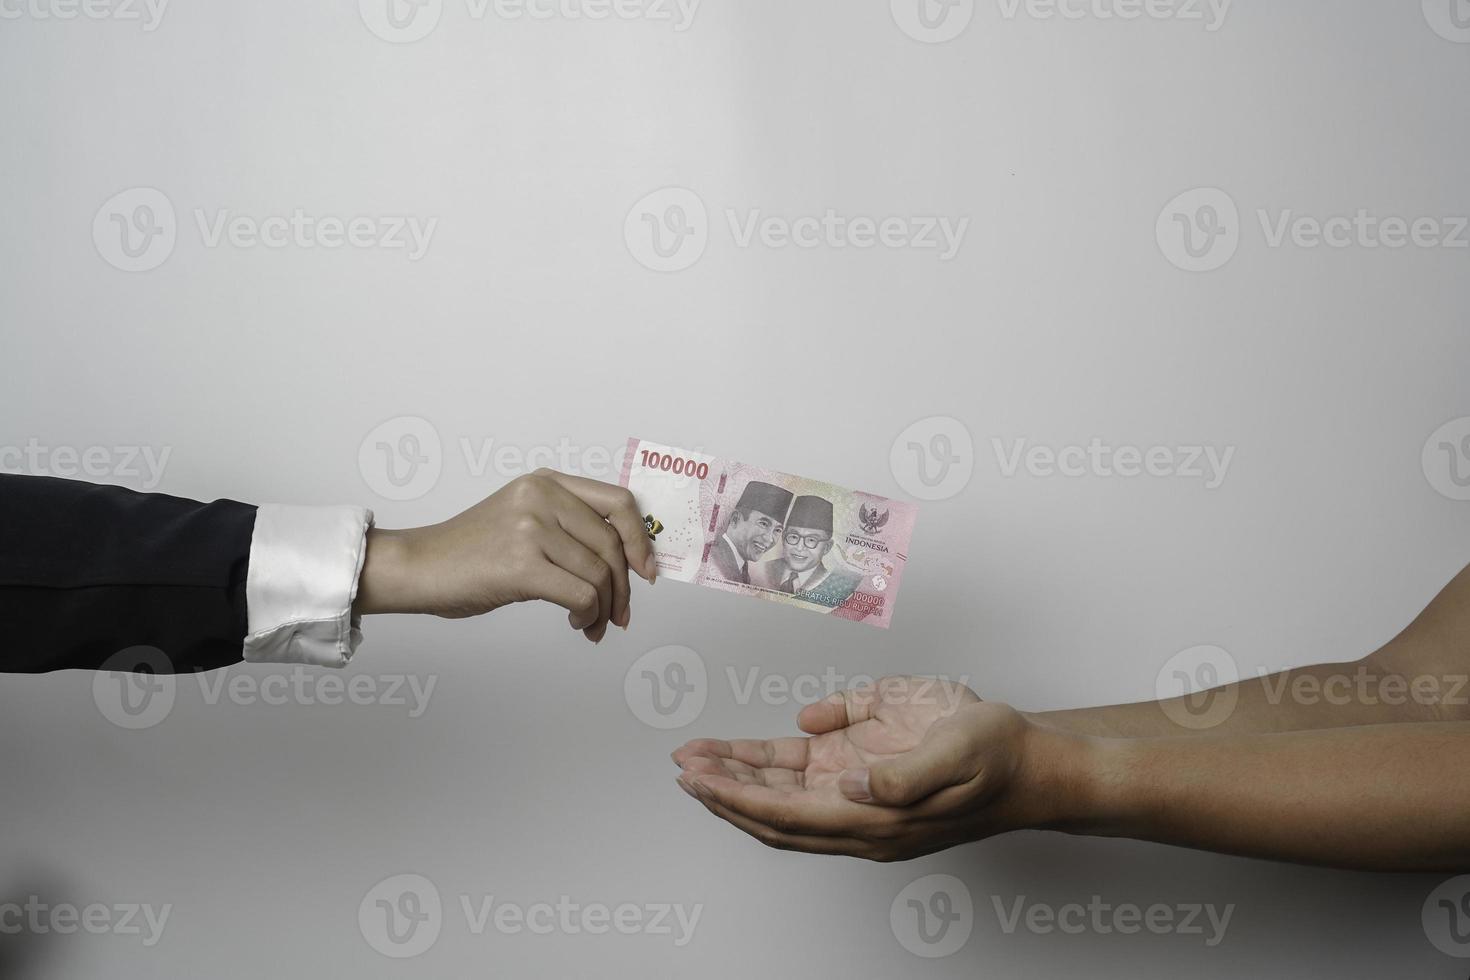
741	528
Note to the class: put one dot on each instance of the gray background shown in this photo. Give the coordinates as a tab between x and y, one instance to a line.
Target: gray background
529	322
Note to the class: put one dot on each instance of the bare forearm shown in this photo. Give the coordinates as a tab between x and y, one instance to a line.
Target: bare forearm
1387	797
1371	691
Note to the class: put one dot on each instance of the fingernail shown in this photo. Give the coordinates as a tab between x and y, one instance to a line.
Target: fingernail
854	785
684	785
650	569
627	618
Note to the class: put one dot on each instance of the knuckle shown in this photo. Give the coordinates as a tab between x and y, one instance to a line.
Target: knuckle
891	785
602	572
528	489
526	525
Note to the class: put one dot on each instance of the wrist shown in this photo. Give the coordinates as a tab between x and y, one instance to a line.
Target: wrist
1073	783
386	583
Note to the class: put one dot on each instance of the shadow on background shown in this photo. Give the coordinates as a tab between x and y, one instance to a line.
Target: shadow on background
24	953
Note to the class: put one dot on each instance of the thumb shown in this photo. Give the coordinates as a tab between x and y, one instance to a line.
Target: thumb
936	762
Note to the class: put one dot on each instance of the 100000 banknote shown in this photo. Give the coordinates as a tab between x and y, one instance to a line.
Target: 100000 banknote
741	528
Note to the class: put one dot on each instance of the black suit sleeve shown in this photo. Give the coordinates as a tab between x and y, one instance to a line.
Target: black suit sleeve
88	571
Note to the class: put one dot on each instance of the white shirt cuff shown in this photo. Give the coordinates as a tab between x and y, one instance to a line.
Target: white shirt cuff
304	567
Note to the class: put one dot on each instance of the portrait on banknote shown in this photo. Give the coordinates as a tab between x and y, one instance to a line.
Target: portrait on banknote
739	528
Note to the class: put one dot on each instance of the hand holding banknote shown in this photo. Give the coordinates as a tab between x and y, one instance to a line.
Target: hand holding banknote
545	536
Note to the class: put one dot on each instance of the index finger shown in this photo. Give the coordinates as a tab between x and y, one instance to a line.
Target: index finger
776	753
617	505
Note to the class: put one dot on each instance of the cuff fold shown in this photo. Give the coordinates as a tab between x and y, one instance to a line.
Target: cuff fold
304	567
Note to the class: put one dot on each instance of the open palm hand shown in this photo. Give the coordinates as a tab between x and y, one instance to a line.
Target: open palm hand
882	775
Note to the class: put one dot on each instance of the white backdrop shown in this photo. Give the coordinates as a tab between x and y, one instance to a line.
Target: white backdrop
209	262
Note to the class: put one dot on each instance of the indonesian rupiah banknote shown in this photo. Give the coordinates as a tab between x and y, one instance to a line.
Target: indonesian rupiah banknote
741	528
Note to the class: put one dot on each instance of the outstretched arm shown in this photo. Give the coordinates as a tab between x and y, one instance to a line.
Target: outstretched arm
912	766
889	777
100	576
